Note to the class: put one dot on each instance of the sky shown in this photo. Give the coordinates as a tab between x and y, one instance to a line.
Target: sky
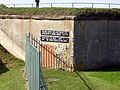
58	1
52	1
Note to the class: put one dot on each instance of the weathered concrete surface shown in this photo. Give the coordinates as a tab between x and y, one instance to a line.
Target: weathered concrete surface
14	31
11	46
96	43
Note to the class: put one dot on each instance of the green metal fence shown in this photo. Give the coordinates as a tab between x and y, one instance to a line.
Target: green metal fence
33	64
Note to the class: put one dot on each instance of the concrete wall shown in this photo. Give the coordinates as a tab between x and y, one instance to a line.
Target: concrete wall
97	43
11	46
14	31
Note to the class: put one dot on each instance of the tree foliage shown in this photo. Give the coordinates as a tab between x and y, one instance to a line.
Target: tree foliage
2	6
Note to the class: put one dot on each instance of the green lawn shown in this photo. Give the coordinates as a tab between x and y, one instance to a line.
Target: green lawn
65	80
11	77
103	80
90	80
12	80
60	11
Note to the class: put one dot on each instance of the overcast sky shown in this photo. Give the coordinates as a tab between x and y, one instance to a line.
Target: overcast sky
51	1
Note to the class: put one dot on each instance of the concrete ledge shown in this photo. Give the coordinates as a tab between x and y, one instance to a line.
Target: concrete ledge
37	17
9	45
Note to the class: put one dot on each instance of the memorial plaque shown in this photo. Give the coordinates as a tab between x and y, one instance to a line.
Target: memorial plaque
55	36
55	33
54	39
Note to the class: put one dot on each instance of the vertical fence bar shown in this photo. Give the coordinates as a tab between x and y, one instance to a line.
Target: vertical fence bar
45	56
34	41
39	65
32	67
32	38
48	56
35	71
51	57
60	65
54	57
43	60
26	57
56	62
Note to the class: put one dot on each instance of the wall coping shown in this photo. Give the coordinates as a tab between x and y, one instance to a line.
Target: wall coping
37	17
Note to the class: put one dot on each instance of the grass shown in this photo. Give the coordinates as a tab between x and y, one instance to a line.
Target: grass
11	77
59	11
90	80
65	80
103	80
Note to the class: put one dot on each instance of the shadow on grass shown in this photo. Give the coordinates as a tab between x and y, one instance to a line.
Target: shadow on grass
84	81
106	69
103	69
3	68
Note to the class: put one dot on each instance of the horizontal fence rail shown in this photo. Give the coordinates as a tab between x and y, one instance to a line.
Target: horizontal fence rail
68	5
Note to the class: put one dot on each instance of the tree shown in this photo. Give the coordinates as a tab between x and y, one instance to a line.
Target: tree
2	6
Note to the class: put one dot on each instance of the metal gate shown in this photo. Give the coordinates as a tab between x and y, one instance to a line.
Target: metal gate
48	57
42	55
52	60
33	64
